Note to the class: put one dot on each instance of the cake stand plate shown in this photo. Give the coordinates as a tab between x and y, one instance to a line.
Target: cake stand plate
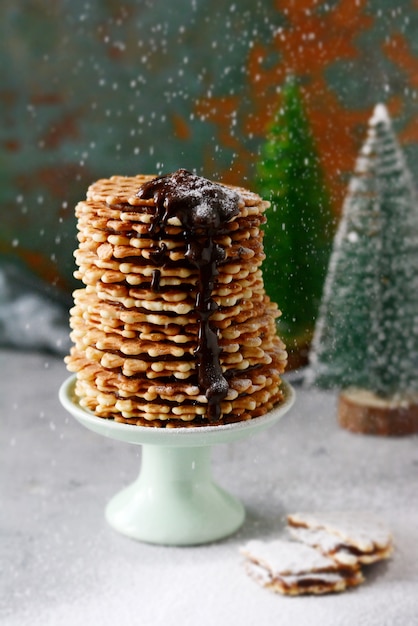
175	500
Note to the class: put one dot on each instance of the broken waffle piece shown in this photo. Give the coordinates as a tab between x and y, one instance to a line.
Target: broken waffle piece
292	568
348	537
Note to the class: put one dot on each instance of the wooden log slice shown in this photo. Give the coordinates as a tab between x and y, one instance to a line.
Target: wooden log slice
362	411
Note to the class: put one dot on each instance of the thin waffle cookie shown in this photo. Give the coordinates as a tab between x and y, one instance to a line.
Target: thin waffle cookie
294	569
350	538
173	326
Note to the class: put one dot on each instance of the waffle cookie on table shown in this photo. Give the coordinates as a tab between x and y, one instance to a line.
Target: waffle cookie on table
350	538
328	554
294	569
173	326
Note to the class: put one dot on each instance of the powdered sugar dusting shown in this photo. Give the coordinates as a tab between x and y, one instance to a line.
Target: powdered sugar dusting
287	557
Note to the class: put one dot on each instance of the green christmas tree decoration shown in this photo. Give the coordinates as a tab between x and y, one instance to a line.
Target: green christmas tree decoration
298	233
366	335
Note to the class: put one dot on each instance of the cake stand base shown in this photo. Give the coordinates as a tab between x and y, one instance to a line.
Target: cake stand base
175	500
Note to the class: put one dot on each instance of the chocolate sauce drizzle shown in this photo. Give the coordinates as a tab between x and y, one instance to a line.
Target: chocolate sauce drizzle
202	208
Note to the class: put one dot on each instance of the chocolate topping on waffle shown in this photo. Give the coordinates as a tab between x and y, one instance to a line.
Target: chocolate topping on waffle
202	207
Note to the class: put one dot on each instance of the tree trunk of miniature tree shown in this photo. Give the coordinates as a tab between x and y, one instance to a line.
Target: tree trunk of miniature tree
298	233
362	411
366	337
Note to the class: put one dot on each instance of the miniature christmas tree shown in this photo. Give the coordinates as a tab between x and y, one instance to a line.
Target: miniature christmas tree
298	233
366	336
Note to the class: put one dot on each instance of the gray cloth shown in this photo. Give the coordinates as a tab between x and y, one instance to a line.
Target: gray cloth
32	316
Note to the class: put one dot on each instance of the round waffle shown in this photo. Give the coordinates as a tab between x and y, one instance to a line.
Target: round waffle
136	323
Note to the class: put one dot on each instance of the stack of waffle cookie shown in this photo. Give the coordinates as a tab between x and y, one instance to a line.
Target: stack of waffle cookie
135	324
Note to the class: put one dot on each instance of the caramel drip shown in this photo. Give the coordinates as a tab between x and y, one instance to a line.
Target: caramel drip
202	207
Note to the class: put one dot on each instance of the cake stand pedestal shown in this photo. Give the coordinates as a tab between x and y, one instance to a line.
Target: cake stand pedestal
175	500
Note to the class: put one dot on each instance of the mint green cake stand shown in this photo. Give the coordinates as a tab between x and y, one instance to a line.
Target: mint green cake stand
175	500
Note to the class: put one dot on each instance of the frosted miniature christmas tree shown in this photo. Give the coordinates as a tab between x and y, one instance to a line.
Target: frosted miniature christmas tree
366	336
298	233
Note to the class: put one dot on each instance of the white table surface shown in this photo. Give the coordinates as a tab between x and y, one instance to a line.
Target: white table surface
61	565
